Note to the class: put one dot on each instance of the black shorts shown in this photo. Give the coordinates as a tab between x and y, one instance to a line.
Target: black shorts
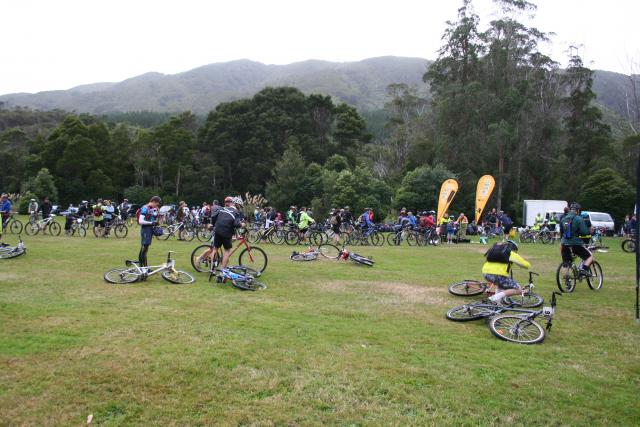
507	228
220	241
304	230
99	223
578	250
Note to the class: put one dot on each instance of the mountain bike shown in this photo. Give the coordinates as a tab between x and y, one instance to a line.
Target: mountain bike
272	234
180	229
204	256
527	298
241	277
120	229
405	234
529	236
43	225
428	236
508	323
597	241
331	251
568	275
365	237
76	228
310	255
134	272
7	251
13	225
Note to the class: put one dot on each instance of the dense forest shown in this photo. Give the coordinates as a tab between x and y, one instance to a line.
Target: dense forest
496	105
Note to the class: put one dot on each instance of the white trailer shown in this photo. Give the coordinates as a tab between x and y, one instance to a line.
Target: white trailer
531	208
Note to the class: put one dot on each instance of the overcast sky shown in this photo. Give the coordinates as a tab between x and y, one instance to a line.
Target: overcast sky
59	44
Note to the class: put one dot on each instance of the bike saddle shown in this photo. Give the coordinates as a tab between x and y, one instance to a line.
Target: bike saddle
130	262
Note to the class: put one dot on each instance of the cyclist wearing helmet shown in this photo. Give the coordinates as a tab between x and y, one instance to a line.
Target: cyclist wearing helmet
225	221
572	229
496	269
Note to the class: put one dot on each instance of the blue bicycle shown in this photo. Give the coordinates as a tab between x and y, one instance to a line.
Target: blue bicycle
243	278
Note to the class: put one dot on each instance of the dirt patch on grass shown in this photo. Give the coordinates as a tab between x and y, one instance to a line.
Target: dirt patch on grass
390	292
8	276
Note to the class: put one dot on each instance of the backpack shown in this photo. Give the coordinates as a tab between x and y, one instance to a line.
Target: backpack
567	226
498	253
97	211
138	212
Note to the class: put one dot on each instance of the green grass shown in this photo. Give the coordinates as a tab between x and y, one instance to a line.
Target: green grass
326	343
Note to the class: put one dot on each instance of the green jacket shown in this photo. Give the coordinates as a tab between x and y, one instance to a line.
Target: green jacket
578	228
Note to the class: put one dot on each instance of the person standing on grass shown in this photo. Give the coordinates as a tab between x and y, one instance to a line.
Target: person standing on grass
225	221
463	223
147	218
5	212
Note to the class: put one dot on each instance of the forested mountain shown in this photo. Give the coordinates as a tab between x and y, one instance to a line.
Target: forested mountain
361	84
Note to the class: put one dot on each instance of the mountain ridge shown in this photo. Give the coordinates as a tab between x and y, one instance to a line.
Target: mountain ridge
362	84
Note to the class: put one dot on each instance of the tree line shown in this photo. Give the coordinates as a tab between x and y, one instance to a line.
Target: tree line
497	105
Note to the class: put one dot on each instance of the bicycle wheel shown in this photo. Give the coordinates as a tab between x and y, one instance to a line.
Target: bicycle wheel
411	239
374	239
467	288
545	238
254	235
435	239
31	229
292	237
248	284
54	228
629	245
513	328
245	271
187	234
393	239
81	231
177	277
121	276
595	280
203	234
276	237
165	233
200	262
16	252
467	312
15	227
121	231
566	277
527	300
253	257
359	259
329	251
317	238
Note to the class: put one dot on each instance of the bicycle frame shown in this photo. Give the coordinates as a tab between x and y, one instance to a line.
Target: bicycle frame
169	264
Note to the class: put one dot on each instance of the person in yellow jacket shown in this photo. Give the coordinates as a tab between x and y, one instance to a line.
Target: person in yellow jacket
500	258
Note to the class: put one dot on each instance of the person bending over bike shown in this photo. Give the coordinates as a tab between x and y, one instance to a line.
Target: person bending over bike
572	228
147	218
225	220
496	269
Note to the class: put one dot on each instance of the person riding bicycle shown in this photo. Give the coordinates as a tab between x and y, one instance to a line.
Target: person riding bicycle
304	222
225	221
500	258
147	217
572	228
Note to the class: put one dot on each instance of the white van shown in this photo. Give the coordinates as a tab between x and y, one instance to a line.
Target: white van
601	220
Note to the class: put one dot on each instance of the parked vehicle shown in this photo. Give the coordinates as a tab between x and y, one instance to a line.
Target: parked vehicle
531	208
602	220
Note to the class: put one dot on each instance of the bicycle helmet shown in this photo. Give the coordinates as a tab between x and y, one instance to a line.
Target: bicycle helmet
238	201
584	215
575	206
513	245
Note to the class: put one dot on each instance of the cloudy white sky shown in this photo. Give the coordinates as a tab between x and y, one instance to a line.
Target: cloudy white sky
59	44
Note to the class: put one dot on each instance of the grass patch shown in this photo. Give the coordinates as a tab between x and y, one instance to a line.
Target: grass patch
327	343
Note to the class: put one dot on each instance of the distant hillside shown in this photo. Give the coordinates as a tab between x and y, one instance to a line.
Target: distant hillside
362	84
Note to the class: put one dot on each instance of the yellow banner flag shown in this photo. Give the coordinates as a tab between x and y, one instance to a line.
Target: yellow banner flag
483	192
448	191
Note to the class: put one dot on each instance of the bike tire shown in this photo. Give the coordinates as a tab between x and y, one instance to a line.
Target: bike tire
596	279
329	251
199	263
121	276
54	228
528	300
12	253
178	277
120	231
165	233
245	271
292	238
16	226
31	229
435	240
187	235
411	239
82	232
517	329
629	246
566	278
374	239
468	312
254	258
253	236
545	238
392	240
249	284
203	235
467	288
276	237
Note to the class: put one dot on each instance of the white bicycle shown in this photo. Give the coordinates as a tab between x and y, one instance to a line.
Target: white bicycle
135	272
7	251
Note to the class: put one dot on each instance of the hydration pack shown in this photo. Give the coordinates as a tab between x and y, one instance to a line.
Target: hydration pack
567	225
498	253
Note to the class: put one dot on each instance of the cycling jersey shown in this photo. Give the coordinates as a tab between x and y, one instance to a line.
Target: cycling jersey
305	219
502	268
225	221
148	216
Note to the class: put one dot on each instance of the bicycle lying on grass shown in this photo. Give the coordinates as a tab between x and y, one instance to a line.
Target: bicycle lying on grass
7	251
310	255
509	323
469	288
243	278
135	273
331	251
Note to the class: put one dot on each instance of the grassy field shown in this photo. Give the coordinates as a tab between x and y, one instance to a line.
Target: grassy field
326	343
